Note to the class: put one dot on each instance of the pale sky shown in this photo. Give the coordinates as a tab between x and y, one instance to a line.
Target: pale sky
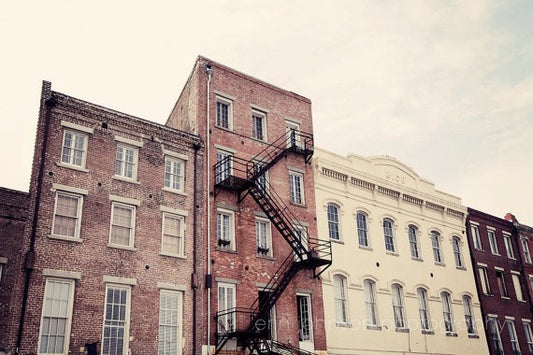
446	87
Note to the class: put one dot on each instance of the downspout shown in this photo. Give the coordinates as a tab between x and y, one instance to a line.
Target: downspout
209	72
194	280
29	261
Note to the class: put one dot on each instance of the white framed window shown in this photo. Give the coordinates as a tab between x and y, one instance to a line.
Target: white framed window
508	246
224	167
122	231
362	229
423	309
389	235
501	284
475	237
305	317
435	243
296	184
301	233
293	134
512	336
172	240
259	125
262	181
341	301
226	301
457	253
67	215
372	318
224	113
525	247
226	229
333	221
74	148
126	161
170	322
115	333
56	319
517	286
174	173
491	234
529	336
447	311
484	279
398	306
263	236
469	314
413	242
494	330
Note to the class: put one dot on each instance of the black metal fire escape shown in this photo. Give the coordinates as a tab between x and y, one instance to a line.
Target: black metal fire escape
247	178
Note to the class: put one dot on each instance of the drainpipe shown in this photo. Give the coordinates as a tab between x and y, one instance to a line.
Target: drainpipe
209	72
194	280
29	261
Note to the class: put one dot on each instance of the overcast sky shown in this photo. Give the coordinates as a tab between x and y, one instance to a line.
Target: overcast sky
446	87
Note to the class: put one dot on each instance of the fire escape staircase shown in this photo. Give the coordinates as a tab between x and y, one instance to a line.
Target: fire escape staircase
246	177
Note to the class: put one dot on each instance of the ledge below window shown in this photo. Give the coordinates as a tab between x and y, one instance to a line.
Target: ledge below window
473	336
393	253
177	256
365	248
68	239
177	192
336	241
226	250
124	247
125	179
451	334
343	325
74	167
373	327
428	332
402	330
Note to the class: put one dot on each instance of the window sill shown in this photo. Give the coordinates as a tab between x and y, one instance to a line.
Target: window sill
177	256
68	239
365	248
440	264
473	336
420	260
505	297
451	334
177	192
74	167
302	205
124	247
428	332
336	241
402	330
461	268
496	254
392	253
125	179
224	129
264	141
266	257
511	258
231	251
343	325
373	327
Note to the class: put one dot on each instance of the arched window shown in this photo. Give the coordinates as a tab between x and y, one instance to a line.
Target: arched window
398	306
469	315
341	304
423	308
389	236
333	221
447	311
413	242
457	254
362	231
370	303
435	242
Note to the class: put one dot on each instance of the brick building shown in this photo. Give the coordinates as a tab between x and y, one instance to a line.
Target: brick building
113	238
501	282
13	217
262	246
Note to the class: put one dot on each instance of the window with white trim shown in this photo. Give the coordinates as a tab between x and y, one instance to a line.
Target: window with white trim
435	243
517	287
333	221
56	316
74	148
398	306
529	336
491	234
226	229
224	167
263	236
508	246
484	279
259	125
115	333
475	237
226	301
447	311
305	317
296	184
293	134
371	303
170	323
174	173
122	231
389	235
469	314
413	242
512	336
525	247
501	284
494	330
423	308
67	215
262	181
224	113
173	234
362	229
126	161
341	302
457	253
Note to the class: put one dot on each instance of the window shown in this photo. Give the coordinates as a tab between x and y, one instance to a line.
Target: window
492	242
333	221
305	325
225	229
525	247
293	134
397	306
74	149
389	237
435	243
512	336
529	336
259	125
413	242
173	231
174	173
263	236
126	161
262	181
517	287
457	255
484	279
224	113
301	234
122	224
508	246
67	215
501	284
495	335
362	230
56	317
447	311
224	167
170	323
370	303
226	302
341	308
116	320
423	308
296	188
475	237
469	315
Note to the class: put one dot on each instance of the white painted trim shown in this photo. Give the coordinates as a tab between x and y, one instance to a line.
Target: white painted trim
175	154
135	143
171	286
63	274
66	188
120	280
127	200
77	127
173	210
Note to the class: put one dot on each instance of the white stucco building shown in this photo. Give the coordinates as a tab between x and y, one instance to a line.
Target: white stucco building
401	280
